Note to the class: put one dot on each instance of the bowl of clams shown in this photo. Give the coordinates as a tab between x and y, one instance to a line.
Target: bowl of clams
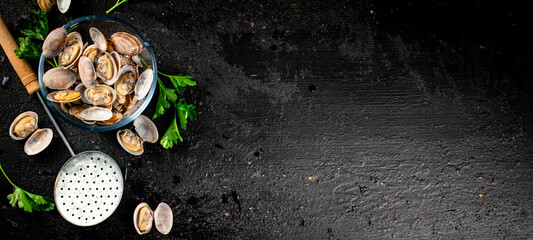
97	72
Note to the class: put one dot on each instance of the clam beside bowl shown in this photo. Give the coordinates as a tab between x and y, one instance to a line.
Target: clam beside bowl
95	88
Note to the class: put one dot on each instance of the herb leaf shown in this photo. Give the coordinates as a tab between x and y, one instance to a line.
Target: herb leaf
28	49
166	95
180	81
37	25
185	111
171	135
19	198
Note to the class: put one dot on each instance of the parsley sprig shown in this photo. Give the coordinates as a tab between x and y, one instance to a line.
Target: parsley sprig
28	201
184	112
35	28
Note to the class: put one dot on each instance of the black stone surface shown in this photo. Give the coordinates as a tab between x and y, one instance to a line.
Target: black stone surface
316	120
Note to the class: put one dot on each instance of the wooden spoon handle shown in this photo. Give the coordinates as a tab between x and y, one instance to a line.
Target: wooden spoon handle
21	66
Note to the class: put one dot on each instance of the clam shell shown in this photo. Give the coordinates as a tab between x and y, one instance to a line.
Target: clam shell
59	78
146	129
126	43
98	38
54	42
122	86
132	135
163	218
72	51
38	141
46	5
63	5
102	100
102	68
117	116
91	52
87	72
17	119
144	83
96	114
148	219
51	97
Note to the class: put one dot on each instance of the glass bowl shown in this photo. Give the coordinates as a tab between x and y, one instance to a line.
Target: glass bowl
107	25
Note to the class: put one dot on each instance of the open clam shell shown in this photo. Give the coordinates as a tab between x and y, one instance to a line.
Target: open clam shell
87	72
59	78
101	95
46	5
106	68
126	43
55	41
63	5
23	125
63	96
146	131
72	51
81	89
130	141
125	83
96	114
143	218
144	83
98	39
163	218
38	141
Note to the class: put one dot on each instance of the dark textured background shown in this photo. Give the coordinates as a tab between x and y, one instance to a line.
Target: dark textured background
316	120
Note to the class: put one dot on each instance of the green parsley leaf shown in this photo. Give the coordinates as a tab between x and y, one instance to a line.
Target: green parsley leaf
185	111
37	25
116	5
171	135
28	49
166	95
19	198
180	81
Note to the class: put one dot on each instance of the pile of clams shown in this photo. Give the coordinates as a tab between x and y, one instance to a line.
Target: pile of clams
144	216
97	83
26	125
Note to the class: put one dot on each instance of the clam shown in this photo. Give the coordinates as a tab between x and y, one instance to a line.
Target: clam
76	112
126	80
163	218
91	52
126	43
116	58
117	116
59	78
106	68
144	216
38	141
98	39
63	5
96	114
87	72
146	131
101	95
130	141
72	51
54	42
46	5
144	83
23	125
63	96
